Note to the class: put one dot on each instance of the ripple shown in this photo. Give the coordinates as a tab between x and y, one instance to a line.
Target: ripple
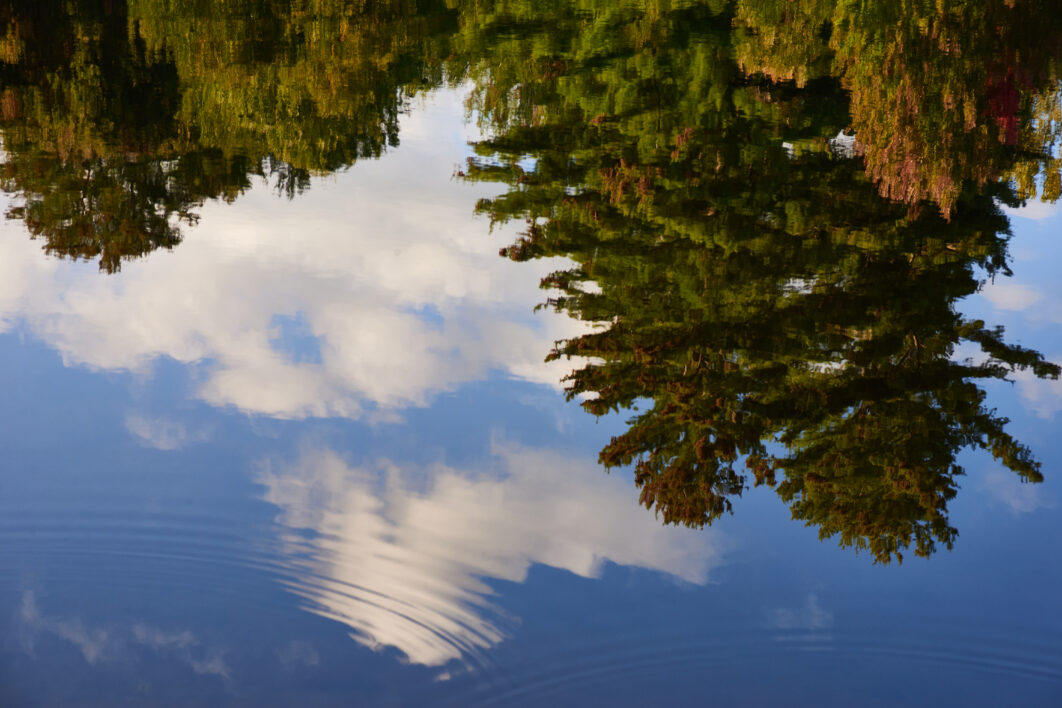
583	667
404	557
187	547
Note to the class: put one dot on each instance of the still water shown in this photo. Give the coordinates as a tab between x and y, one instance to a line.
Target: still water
510	353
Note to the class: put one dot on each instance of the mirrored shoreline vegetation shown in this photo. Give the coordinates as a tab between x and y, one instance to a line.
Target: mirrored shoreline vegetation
120	118
772	209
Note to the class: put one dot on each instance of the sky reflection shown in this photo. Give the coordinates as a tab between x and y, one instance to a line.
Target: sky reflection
405	556
359	303
418	532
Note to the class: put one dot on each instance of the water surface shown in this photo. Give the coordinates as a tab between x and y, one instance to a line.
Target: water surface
756	406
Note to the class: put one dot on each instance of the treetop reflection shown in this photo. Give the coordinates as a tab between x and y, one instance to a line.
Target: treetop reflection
120	118
753	284
772	207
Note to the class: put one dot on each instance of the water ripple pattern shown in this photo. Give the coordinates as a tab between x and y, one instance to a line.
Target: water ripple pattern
406	557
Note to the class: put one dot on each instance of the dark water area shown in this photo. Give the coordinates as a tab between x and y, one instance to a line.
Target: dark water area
512	353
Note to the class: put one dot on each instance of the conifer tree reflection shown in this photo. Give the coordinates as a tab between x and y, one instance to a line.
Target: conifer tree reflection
759	301
758	287
941	94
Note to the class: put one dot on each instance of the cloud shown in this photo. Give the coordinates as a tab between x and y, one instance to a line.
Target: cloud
374	291
1034	209
162	433
104	645
158	639
1009	296
1020	497
1042	396
213	666
296	654
94	644
403	555
185	646
809	617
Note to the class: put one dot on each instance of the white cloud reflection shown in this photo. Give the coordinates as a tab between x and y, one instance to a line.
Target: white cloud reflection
1041	396
162	433
395	287
160	639
811	616
99	645
402	556
1034	209
95	644
206	661
297	654
1011	296
1019	497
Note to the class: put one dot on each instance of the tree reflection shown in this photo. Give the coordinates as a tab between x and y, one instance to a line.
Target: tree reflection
773	208
119	119
941	94
760	303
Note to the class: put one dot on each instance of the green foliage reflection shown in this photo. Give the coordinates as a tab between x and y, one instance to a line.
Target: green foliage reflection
772	207
120	118
770	316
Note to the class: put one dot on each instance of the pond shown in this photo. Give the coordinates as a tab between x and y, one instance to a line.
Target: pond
513	353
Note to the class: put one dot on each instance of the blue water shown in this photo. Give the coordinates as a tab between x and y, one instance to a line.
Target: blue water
312	457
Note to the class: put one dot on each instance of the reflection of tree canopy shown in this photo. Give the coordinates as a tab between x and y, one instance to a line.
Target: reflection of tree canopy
758	300
109	97
120	118
755	283
941	93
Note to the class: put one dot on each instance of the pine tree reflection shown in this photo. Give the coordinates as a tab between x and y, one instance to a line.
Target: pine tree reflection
940	95
780	302
773	308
